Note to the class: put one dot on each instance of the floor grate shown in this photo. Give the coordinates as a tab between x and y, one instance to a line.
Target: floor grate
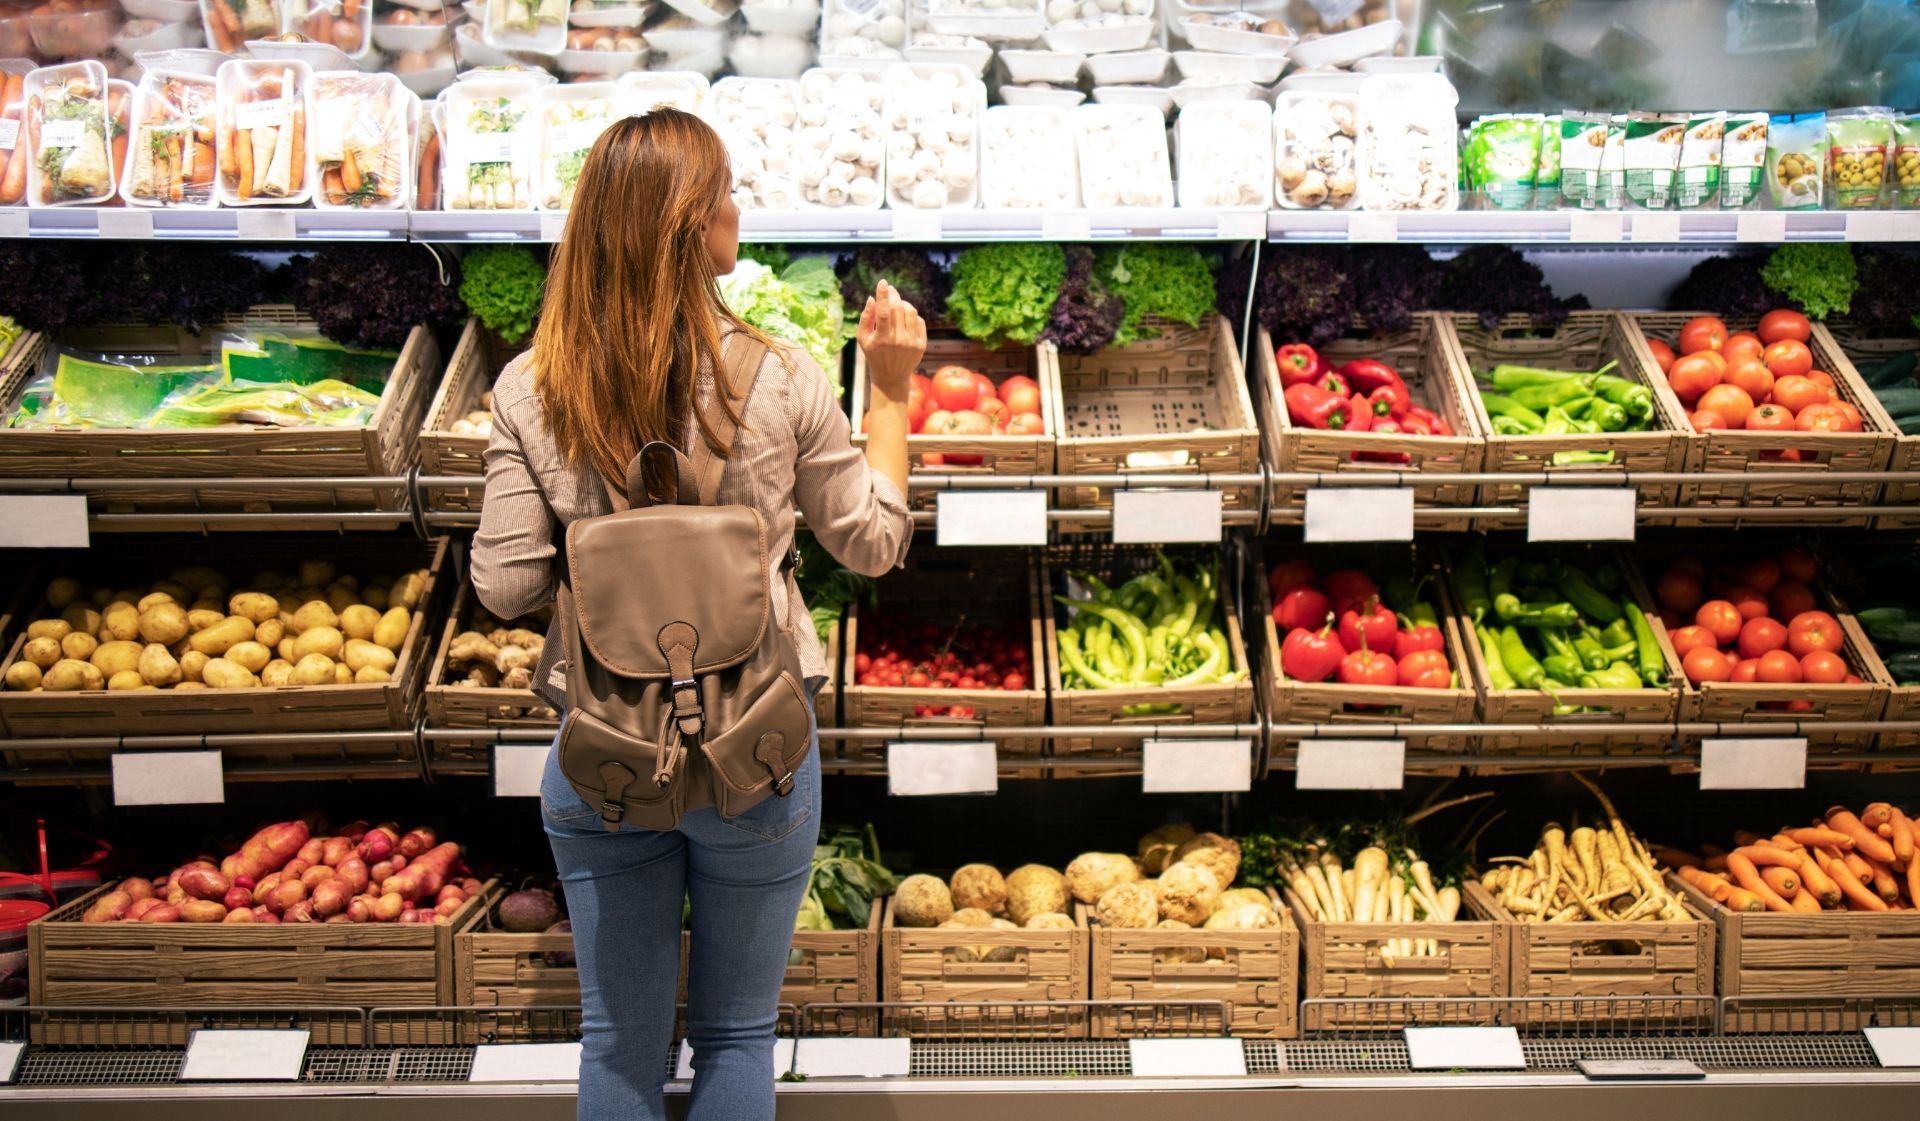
68	1067
1359	1056
1028	1060
432	1064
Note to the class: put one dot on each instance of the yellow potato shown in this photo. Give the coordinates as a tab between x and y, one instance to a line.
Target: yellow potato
341	674
221	637
158	667
317	573
256	607
222	674
371	675
408	589
55	629
249	654
164	622
285	649
116	657
212	604
278	672
375	596
82	618
200	618
313	613
171	589
23	677
79	646
313	669
152	599
190	685
43	652
101	597
68	676
289	603
192	664
359	621
392	630
272	580
340	597
126	679
199	576
63	591
269	633
122	621
359	653
318	640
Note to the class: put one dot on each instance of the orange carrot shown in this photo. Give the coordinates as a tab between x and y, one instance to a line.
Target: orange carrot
350	172
1819	836
1864	839
1764	855
351	9
1858	898
1742	837
203	161
1747	876
428	192
331	186
1884	885
1740	899
243	153
1803	900
1876	814
1781	880
1913	883
1902	838
1715	862
1676	858
1858	865
299	141
1817	881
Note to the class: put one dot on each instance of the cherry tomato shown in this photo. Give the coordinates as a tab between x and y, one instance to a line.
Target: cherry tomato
1704	664
1758	636
1720	619
1662	354
1784	324
1706	332
1814	630
1691	377
1823	668
1778	667
1691	637
1789	358
1770	418
1730	401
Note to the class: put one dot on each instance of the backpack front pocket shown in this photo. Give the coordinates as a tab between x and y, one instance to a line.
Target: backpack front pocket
613	772
765	745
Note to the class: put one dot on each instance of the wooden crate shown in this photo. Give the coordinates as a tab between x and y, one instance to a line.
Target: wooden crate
1228	703
993	587
999	455
1743	452
1429	366
385	446
918	965
1345	962
1256	975
1585	341
1555	961
1175	404
1621	706
1833	953
478	358
1902	702
238	965
1845	341
1329	702
460	706
387	705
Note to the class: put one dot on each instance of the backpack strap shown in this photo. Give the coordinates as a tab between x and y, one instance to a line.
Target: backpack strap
744	356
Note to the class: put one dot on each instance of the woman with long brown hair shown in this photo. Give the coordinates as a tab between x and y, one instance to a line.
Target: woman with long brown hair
632	339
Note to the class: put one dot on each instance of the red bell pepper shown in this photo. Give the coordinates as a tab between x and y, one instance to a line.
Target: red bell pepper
1436	424
1391	400
1314	407
1368	667
1423	636
1299	363
1386	426
1301	606
1425	669
1333	383
1414	426
1360	416
1369	374
1311	655
1370	626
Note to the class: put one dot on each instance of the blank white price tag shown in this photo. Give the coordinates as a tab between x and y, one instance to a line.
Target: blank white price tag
853	1058
1196	766
129	224
265	225
1753	764
1159	517
1656	226
916	225
268	1055
1186	1058
1638	1070
1760	225
1243	225
1066	225
1359	514
1464	1049
1883	225
43	521
1366	226
553	224
1586	225
13	221
517	768
942	768
1351	765
1894	1047
990	517
1580	513
782	1060
10	1056
525	1062
168	778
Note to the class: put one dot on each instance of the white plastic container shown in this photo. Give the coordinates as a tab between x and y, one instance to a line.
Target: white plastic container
263	106
572	117
166	11
756	117
1316	150
526	25
1103	35
77	33
607	64
1205	33
1225	160
585	13
191	60
1399	64
950	50
782	18
841	141
1347	47
1027	159
933	122
862	34
165	37
710	12
362	118
683	38
1042	66
314	56
429	82
1207	92
170	108
1323	81
1012	21
1123	157
1129	68
1149	97
492	143
326	21
399	37
770	56
1040	96
1409	149
644	91
1258	69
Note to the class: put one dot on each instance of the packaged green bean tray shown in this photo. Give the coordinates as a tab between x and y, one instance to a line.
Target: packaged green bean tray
1796	157
1906	162
1743	159
1583	148
1546	176
1650	156
1857	142
1697	183
1503	152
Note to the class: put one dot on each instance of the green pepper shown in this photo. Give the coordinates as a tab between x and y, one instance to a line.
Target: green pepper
1497	675
1520	661
1470	579
1543	613
1556	642
1609	416
1557	423
1631	396
1617	633
1509	378
1652	661
1208	669
1132	631
1500	584
1592	602
1507	426
1591	653
1540	398
1578	458
1070	653
1499	406
1607	578
1619	675
1564	668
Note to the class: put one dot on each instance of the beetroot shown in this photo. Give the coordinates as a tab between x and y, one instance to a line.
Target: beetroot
557	958
529	911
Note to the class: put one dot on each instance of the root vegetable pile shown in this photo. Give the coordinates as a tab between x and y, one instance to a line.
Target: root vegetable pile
1160	629
897	654
491	654
1842	862
845	878
1725	624
1598	875
1342	628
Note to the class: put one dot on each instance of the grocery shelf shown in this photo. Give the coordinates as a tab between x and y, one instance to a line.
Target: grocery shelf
1584	227
248	224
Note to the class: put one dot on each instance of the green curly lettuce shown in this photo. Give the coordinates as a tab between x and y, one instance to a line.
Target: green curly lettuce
1005	291
800	304
1819	276
1170	281
502	286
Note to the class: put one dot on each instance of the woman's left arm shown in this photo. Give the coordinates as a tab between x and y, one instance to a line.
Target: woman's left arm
513	551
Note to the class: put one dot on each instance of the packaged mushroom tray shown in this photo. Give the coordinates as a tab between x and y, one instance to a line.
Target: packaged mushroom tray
1123	156
359	140
757	118
492	141
1028	162
1409	147
602	51
1316	148
1240	32
263	133
1225	162
862	33
998	21
840	141
572	117
1099	26
933	122
172	141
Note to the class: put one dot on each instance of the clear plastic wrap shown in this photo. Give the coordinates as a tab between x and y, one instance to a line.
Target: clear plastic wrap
1316	149
429	124
1027	159
840	144
572	117
868	34
492	142
1104	31
756	117
770	56
1409	148
69	161
997	21
643	92
359	140
1123	156
781	17
602	52
526	25
77	29
400	29
230	24
346	24
933	125
172	146
1225	160
262	137
13	131
608	13
1238	32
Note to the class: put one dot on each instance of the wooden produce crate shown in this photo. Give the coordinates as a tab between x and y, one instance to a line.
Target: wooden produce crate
1552	962
995	588
1743	452
238	965
389	704
1587	340
998	455
1364	987
451	706
1431	369
1175	404
1620	706
1256	974
1902	702
921	965
1832	953
1329	702
478	358
1228	703
1857	345
385	446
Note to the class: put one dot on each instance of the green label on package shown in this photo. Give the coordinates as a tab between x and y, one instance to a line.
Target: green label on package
1650	154
1857	143
1583	147
1743	159
1698	182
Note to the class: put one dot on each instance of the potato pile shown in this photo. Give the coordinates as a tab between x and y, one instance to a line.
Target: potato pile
491	654
478	422
192	630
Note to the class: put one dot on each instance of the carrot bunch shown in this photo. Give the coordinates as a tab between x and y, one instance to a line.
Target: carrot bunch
1845	862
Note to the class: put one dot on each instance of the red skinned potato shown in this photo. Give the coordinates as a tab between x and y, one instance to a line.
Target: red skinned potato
388	908
137	888
417	841
375	847
425	875
330	896
239	915
202	910
360	909
295	869
111	907
140	907
408	917
379	872
447	907
315	875
336	850
165	912
285	895
299	912
471	886
353	872
312	850
176	894
340	918
238	899
244	881
355	831
265	887
204	883
267	851
451	891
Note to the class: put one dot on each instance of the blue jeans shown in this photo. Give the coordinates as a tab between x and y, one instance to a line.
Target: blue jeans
745	878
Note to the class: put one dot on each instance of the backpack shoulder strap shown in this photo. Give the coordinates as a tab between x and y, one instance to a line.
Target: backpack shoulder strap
743	356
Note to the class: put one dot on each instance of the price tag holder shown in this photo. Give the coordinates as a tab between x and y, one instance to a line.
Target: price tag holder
553	225
1326	764
1557	513
13	221
990	517
1464	1049
1586	225
1196	767
915	769
782	1059
852	1058
1639	1070
916	225
1753	764
1656	227
1894	1048
262	1055
1243	225
1882	225
1337	514
168	778
1760	225
1364	225
43	521
525	1062
517	768
129	224
1187	1058
1163	517
11	1056
1067	225
264	225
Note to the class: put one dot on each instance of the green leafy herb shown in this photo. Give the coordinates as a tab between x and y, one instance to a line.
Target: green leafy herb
1171	281
800	304
1004	292
845	879
503	286
1819	276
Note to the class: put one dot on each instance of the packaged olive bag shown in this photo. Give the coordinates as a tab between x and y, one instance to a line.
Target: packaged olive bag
1743	159
1857	142
1796	159
1906	162
1546	175
1650	155
1697	183
1583	149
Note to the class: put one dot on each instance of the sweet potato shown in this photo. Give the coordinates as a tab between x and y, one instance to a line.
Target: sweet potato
330	896
111	907
137	888
267	851
241	914
202	910
284	895
204	883
353	872
336	850
165	912
316	875
425	875
417	841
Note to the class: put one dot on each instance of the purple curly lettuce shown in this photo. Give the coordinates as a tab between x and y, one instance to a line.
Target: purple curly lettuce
1085	316
919	278
1728	286
1495	281
1305	296
1391	282
373	295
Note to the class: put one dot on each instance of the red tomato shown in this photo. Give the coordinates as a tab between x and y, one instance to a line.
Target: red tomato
1730	401
988	391
1706	332
1706	664
1784	324
935	421
1720	619
1746	672
1770	418
995	410
1822	418
1017	381
1789	358
1795	392
1826	382
1679	590
1788	599
1026	424
1752	377
1706	420
1662	354
1778	667
1761	575
1799	564
1021	394
1855	422
1690	638
1742	346
1425	669
1758	636
1814	630
1751	604
1823	668
954	389
1691	377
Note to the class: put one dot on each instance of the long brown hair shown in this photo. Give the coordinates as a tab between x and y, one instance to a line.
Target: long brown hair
632	310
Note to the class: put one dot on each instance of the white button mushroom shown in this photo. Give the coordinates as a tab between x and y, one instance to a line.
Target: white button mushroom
929	194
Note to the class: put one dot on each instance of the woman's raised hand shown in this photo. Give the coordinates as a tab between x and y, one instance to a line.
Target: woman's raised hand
894	338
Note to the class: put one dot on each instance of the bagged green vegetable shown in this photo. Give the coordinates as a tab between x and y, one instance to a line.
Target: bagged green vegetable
1795	158
1856	163
1589	177
1697	182
1503	155
1743	159
1650	157
76	390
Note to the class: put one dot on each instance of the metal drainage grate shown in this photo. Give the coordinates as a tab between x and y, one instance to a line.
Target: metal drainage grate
348	1066
431	1064
1264	1056
1023	1060
52	1067
1360	1056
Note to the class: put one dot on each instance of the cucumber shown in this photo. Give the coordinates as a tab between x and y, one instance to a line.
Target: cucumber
1908	425
1899	400
1897	370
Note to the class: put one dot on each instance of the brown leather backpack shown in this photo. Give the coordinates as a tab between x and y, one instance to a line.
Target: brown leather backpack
682	691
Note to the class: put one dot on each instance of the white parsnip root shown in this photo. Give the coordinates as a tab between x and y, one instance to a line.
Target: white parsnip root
1377	888
1597	875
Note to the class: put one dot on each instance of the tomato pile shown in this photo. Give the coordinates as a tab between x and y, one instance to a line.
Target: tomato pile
905	655
1341	628
957	401
1760	381
1725	623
